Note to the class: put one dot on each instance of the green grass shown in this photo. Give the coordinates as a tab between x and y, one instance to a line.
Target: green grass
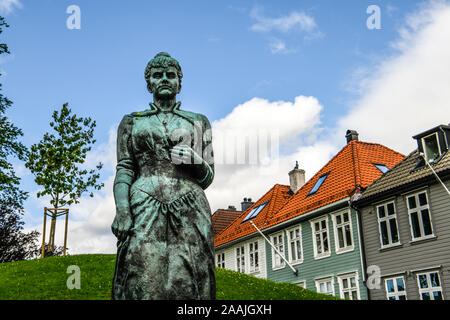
45	279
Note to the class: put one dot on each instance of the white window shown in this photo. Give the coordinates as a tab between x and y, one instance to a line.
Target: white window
320	238
343	232
301	284
254	256
348	286
278	242
395	288
295	245
387	224
431	147
240	259
419	216
429	286
221	260
325	286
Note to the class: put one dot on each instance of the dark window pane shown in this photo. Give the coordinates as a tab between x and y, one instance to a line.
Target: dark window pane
324	224
423	199
423	281
426	222
319	244
392	298
390	209
381	212
338	220
415	225
346	217
384	234
341	238
390	286
325	242
412	202
437	295
401	297
400	284
394	231
426	296
434	277
348	235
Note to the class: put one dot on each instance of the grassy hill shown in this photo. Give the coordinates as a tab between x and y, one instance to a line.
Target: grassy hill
45	279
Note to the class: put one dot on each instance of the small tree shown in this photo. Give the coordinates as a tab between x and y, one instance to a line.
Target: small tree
14	244
56	158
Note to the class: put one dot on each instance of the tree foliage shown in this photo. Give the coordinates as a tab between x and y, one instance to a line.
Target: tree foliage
14	243
56	161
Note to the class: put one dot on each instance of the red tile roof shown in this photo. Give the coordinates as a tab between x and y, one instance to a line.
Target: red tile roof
222	218
350	168
276	198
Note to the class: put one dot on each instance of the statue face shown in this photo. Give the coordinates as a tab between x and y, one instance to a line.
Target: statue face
164	82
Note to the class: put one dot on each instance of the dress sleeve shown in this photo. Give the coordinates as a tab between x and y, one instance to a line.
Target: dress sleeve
125	160
208	154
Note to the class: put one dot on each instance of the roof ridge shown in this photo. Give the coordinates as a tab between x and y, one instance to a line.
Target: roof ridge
380	145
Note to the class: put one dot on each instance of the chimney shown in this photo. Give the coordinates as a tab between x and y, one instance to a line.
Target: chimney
351	135
296	178
246	204
230	207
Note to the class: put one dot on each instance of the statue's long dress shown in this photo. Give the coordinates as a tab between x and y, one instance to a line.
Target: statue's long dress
169	253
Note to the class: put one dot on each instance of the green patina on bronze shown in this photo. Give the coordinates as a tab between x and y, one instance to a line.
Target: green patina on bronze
165	247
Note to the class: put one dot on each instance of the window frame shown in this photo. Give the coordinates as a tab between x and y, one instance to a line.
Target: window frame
378	165
274	254
323	177
422	141
387	219
347	277
325	280
313	232
240	259
221	260
418	210
337	247
253	256
396	294
289	245
430	289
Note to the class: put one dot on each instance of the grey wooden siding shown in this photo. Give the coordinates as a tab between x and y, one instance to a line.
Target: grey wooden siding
411	256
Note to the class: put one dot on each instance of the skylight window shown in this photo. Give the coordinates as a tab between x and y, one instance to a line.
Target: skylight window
255	211
383	168
318	184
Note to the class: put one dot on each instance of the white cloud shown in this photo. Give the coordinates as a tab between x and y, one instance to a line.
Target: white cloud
408	92
294	21
8	6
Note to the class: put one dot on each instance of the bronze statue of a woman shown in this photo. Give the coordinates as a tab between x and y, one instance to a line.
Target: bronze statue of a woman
165	247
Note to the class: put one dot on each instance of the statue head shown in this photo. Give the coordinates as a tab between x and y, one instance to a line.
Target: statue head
162	60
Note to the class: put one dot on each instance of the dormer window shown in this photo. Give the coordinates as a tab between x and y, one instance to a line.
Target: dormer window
431	149
433	144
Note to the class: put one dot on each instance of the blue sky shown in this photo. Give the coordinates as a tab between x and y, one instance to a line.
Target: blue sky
259	55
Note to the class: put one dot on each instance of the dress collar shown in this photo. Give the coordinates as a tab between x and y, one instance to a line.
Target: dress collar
155	108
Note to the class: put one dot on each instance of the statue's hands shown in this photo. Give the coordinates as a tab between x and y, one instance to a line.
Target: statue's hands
183	154
122	224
